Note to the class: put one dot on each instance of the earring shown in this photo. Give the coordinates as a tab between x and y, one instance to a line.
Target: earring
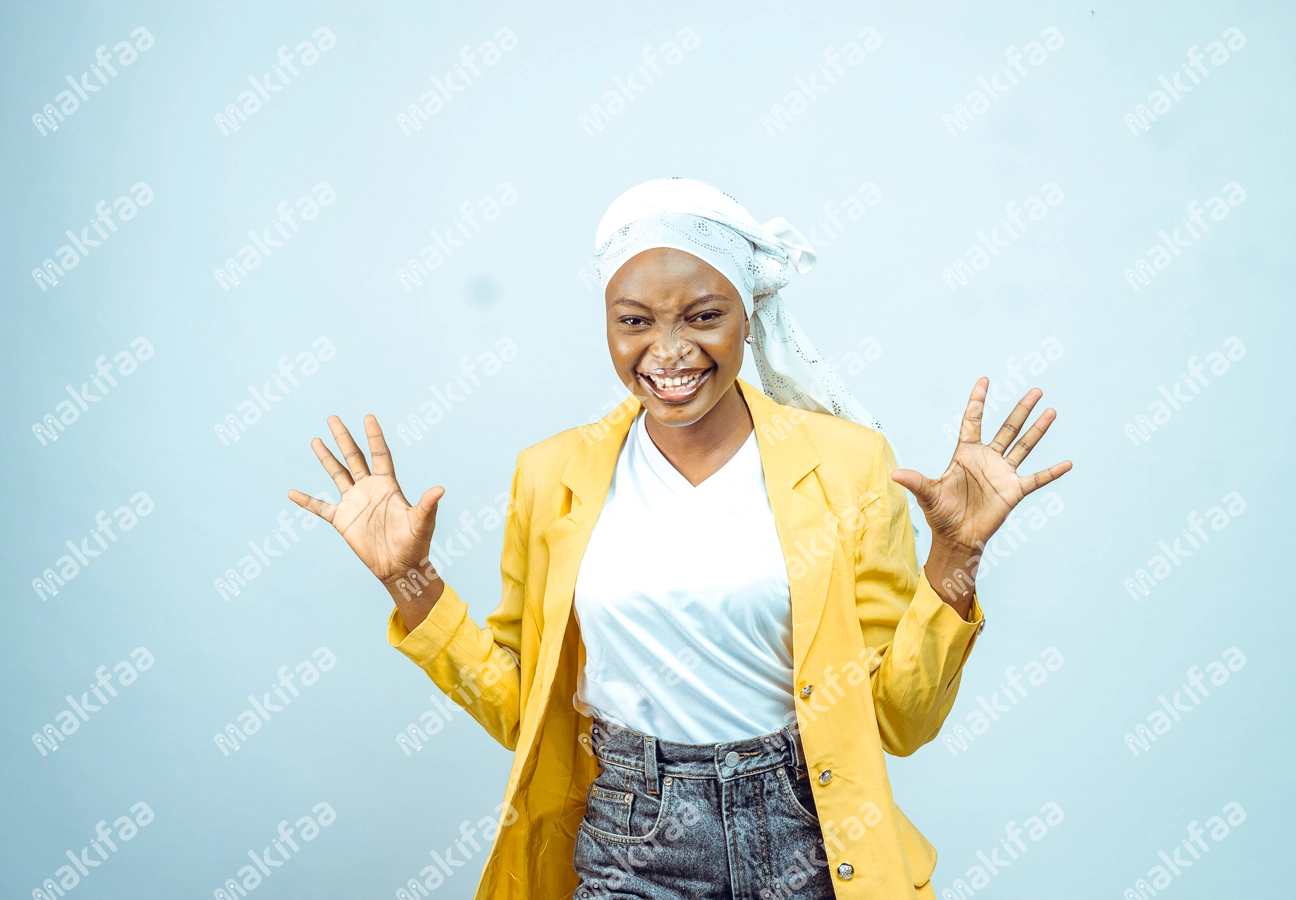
751	338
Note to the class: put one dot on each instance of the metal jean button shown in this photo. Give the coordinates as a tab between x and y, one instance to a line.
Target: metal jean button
806	691
845	871
825	776
731	759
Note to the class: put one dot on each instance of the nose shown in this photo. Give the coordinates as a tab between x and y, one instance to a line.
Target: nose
669	348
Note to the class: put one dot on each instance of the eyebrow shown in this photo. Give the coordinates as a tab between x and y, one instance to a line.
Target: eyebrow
626	301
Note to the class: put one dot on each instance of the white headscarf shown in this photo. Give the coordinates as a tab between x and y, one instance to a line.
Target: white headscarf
688	215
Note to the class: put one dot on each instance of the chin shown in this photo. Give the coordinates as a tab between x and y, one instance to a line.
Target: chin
678	415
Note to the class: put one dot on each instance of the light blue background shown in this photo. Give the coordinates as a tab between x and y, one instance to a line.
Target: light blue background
518	279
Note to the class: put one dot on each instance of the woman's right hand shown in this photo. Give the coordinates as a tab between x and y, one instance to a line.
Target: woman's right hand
389	535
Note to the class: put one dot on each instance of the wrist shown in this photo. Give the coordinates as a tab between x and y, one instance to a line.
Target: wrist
414	595
951	571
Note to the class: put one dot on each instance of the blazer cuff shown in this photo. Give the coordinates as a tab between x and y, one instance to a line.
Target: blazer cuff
940	616
434	634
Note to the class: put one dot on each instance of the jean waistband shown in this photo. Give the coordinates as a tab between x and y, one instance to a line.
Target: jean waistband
733	759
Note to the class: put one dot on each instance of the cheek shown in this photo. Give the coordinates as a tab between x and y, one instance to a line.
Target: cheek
725	350
624	352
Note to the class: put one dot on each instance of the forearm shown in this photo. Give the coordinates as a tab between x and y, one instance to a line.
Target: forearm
951	570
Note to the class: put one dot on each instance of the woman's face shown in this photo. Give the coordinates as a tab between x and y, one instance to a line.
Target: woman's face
675	329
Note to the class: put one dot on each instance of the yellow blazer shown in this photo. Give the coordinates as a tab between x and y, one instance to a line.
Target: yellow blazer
877	654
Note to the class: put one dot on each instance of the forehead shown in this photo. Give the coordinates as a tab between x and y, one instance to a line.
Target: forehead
665	273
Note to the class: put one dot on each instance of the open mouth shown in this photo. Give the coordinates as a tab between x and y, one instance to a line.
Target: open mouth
678	386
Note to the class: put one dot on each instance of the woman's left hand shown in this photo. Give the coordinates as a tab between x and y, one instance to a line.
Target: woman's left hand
968	503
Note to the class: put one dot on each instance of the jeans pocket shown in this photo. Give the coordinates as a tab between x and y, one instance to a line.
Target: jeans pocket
799	796
629	816
608	810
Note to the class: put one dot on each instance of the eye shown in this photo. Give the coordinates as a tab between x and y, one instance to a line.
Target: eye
709	316
632	321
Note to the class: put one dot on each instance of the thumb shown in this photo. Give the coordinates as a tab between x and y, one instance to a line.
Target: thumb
916	483
424	511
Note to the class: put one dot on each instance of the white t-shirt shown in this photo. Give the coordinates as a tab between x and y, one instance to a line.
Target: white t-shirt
683	602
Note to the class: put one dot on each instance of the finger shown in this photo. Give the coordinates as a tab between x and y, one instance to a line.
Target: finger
336	470
424	511
1039	479
915	483
378	452
351	454
314	504
1023	447
1012	425
970	432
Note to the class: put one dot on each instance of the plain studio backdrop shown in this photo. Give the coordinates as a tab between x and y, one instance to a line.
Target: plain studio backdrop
900	165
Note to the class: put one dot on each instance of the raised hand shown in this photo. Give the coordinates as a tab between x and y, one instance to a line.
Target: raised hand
966	505
389	535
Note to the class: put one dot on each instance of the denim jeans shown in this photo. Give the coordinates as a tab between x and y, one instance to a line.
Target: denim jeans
667	821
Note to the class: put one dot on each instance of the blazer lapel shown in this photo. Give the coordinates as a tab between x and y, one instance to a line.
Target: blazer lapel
587	477
800	510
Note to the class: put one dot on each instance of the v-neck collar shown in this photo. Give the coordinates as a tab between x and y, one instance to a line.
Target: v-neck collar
672	476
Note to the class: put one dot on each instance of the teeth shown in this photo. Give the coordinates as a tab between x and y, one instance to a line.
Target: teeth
675	381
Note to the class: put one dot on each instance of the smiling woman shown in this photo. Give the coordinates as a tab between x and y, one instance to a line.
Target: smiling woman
670	528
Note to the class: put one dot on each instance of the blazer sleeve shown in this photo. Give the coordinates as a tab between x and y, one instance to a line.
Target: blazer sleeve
477	667
920	643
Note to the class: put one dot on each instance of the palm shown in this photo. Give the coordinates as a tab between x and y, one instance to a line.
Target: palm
388	534
967	504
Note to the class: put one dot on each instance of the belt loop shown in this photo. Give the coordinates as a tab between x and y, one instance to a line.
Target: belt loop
650	763
792	749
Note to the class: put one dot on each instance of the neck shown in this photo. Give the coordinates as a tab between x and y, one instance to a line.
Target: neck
699	450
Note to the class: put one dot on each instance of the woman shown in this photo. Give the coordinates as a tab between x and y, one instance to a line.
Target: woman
713	624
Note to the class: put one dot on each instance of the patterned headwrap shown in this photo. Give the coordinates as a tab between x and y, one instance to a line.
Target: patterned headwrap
688	215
